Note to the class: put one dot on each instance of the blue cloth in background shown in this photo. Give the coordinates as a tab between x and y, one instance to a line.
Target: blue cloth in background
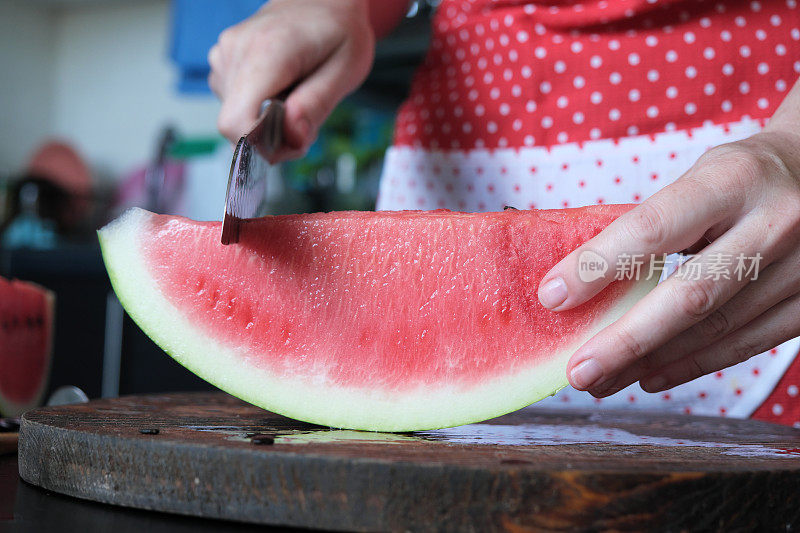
196	24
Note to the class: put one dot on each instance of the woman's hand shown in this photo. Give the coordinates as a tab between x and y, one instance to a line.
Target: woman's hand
326	47
739	200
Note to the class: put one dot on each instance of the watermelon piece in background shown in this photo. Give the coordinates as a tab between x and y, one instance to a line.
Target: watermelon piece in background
388	321
26	340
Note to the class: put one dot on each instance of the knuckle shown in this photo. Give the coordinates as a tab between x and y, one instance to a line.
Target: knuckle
648	225
785	210
740	162
629	345
714	156
746	165
715	325
697	298
697	366
228	37
314	106
214	57
648	363
743	349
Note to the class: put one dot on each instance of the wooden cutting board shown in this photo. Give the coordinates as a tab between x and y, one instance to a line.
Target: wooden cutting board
528	471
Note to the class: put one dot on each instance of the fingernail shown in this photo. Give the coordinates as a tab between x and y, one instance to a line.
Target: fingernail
654	384
586	374
553	293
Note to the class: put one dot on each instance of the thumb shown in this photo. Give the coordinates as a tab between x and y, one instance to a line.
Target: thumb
247	89
313	100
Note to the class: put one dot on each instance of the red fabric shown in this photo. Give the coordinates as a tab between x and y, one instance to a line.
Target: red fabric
513	73
518	73
783	404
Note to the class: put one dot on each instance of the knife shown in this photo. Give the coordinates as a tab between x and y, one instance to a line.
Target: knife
252	159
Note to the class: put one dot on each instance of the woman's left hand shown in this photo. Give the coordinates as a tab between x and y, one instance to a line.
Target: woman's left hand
739	200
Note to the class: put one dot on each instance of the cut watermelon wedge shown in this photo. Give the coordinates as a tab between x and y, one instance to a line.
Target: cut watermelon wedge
389	321
26	335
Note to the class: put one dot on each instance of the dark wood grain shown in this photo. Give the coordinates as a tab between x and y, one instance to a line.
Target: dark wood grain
611	470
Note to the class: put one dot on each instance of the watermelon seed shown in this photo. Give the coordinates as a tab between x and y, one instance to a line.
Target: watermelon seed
263	439
507	207
149	431
514	462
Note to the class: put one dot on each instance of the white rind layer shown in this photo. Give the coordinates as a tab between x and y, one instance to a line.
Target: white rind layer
334	406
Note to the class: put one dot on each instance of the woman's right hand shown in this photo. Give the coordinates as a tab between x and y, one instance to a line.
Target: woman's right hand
323	47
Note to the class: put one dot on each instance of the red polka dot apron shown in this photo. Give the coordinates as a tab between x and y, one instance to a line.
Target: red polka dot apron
571	103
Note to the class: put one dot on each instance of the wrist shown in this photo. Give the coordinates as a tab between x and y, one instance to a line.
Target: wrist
787	117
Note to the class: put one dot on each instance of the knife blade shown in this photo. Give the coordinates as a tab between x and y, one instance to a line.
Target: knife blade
252	159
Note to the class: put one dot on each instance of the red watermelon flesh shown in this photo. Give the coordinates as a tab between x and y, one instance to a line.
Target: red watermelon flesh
384	321
26	324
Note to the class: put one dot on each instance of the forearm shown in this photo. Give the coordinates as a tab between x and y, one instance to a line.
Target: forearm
787	117
385	15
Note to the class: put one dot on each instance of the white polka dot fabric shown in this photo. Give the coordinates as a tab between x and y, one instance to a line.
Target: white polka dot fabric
624	170
574	103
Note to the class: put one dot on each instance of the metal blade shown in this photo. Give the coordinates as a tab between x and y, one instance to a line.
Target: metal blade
247	181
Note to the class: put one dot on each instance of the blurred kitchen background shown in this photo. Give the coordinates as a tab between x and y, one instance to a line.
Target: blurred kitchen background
104	105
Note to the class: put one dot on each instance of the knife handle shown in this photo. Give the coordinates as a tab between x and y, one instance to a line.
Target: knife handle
267	134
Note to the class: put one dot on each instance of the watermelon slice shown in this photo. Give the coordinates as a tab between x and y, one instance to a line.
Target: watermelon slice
388	321
26	333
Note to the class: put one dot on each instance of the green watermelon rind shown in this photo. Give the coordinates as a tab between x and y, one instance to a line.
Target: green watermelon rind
354	408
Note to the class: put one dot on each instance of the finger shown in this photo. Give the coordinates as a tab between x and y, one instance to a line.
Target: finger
252	83
313	100
684	299
216	73
696	247
215	84
772	328
215	62
771	286
284	153
671	220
